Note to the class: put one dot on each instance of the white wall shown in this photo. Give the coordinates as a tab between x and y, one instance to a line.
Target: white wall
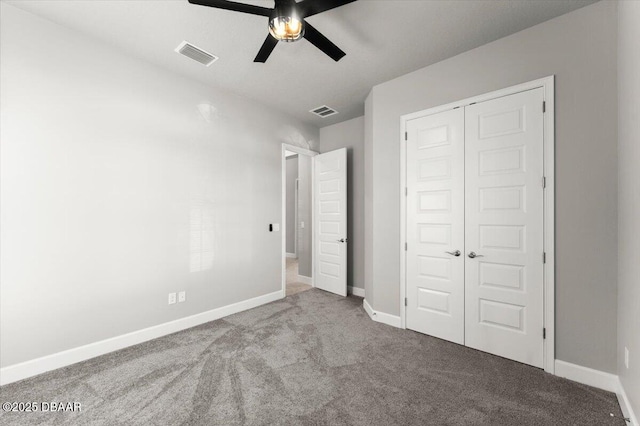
350	134
629	198
291	165
579	48
119	184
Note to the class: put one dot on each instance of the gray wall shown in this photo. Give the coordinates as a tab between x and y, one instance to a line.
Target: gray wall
292	175
119	183
368	200
580	49
305	206
350	134
629	198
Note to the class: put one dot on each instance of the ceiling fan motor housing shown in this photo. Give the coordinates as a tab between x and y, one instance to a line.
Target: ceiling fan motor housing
285	22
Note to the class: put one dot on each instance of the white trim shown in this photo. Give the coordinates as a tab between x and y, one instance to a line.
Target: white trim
587	376
625	405
547	84
21	371
291	255
295	213
314	273
356	291
549	302
598	379
305	280
534	84
283	196
403	221
392	320
301	151
368	309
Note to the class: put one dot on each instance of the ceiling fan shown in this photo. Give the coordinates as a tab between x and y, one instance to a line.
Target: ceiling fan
287	22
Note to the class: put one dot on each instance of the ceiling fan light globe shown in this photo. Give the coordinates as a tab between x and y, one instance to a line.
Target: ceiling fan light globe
286	28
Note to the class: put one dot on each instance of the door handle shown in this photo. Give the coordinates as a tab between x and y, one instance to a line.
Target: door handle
343	240
473	254
454	253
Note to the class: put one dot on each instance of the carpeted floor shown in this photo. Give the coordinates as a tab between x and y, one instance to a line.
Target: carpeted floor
310	359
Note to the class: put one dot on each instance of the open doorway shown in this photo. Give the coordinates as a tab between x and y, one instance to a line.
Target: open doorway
318	253
297	219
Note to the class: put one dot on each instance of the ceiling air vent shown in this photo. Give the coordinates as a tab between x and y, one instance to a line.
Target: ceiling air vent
323	111
190	51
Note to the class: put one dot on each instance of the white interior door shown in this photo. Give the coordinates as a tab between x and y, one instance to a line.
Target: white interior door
435	225
330	221
504	226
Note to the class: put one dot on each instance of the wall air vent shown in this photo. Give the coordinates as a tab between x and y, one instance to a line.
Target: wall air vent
323	111
190	51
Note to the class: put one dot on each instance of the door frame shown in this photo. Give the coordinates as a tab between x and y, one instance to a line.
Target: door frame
283	252
295	215
547	84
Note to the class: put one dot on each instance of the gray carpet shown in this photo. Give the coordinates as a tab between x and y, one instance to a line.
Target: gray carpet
310	359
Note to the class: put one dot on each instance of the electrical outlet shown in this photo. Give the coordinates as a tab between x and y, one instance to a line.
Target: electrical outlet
172	298
301	225
182	296
626	357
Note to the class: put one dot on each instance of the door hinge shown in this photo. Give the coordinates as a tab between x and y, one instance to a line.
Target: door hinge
544	333
544	181
544	106
406	136
406	191
405	301
544	257
405	246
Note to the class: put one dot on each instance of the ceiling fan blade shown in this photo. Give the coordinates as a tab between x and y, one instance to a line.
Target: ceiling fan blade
235	6
313	7
316	38
266	49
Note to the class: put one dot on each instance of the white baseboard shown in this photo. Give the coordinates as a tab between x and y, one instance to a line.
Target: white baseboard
367	308
625	406
587	376
16	372
305	280
291	255
356	291
392	320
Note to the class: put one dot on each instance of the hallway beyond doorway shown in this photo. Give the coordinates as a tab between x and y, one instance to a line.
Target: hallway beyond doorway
294	281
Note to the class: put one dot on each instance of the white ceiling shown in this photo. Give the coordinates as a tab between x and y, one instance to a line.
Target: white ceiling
382	39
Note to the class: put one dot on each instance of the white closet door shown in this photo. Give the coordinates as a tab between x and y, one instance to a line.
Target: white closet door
504	227
435	225
330	221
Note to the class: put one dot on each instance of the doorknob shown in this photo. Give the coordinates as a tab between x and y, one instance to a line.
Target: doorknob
473	254
454	253
342	240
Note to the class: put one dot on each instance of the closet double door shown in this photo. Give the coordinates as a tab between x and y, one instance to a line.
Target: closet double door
474	226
